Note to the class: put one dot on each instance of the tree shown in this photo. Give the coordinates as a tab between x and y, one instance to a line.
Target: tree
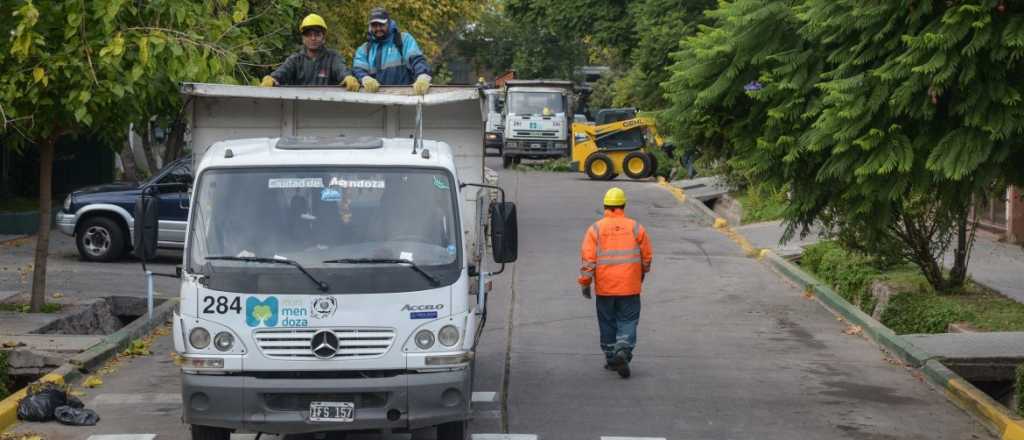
88	66
884	121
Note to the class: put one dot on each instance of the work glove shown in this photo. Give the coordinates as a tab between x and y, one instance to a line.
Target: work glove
371	85
586	292
422	84
268	81
351	83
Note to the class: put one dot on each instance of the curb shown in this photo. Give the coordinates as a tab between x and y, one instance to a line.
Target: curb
90	359
995	417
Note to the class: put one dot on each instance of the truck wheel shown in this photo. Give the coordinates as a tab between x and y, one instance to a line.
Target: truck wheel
599	167
654	165
506	162
451	431
100	239
210	433
637	165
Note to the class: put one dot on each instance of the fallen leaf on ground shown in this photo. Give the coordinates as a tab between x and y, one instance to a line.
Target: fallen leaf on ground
57	295
853	330
92	382
808	294
13	344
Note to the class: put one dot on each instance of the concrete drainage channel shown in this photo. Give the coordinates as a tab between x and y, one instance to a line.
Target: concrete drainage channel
62	347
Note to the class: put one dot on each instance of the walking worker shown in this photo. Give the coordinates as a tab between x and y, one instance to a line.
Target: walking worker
390	57
616	256
314	65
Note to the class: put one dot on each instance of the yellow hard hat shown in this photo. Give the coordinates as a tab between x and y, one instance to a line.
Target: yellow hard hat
312	20
615	197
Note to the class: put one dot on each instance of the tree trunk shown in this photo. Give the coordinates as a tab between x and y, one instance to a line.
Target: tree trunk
147	149
175	141
43	237
131	170
964	242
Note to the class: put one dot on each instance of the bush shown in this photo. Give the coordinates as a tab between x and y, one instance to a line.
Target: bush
848	273
4	392
762	203
922	312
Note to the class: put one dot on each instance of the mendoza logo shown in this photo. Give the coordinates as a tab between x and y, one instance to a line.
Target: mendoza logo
261	313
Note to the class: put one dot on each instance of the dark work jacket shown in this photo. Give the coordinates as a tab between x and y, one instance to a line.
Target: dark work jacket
328	68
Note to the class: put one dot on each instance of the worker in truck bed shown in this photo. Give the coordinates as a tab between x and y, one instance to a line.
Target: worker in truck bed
314	65
390	57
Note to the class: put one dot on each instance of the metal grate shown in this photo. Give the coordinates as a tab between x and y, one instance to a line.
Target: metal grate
353	343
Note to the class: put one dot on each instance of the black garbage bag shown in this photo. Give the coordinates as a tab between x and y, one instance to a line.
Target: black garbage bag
40	404
75	402
76	416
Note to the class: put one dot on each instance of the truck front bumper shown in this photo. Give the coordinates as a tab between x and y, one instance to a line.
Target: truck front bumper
536	149
66	222
281	405
493	140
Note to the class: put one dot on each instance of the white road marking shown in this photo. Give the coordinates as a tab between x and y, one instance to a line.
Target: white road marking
504	437
632	438
123	437
137	399
487	414
484	396
248	436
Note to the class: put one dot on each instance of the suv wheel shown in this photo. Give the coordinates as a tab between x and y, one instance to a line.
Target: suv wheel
100	239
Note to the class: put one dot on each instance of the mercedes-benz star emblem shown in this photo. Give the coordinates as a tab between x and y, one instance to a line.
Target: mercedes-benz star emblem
324	344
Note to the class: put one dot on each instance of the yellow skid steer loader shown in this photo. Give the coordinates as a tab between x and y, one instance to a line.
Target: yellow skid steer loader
618	142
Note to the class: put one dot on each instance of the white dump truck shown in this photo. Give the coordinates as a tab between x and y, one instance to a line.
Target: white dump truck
537	120
333	277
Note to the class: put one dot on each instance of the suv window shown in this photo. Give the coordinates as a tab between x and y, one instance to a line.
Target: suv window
181	173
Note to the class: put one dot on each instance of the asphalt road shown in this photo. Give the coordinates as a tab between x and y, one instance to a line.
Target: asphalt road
727	349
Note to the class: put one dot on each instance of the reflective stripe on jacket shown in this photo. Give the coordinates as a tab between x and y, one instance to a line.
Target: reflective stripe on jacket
615	255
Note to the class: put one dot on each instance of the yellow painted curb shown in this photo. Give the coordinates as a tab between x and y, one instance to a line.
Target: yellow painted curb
9	406
967	396
677	192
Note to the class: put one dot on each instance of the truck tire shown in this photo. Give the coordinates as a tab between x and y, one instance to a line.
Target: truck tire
451	431
210	433
506	162
637	165
100	239
599	167
654	165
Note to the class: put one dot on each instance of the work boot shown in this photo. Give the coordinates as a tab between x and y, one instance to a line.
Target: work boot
620	362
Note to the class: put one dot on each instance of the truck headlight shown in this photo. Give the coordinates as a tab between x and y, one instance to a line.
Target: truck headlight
424	339
223	341
199	338
67	203
491	136
448	336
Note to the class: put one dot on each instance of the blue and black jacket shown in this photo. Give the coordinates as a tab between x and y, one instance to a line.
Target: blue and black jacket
393	60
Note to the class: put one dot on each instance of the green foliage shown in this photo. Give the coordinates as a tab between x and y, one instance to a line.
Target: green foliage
555	165
885	121
850	274
4	378
91	66
762	203
921	312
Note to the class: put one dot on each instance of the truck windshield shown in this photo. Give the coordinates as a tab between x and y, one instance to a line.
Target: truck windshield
493	103
533	103
330	220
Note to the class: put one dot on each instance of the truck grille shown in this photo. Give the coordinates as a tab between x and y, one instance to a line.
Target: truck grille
353	343
546	134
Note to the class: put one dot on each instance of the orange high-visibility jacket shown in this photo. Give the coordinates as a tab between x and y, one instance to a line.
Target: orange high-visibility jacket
615	254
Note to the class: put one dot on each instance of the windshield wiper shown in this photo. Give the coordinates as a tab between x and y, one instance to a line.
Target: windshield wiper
319	284
403	261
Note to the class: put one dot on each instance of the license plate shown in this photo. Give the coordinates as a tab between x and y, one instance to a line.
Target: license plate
536	146
332	411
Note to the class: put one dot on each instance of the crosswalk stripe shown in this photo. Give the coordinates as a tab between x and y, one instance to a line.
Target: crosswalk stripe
136	399
484	396
123	437
504	437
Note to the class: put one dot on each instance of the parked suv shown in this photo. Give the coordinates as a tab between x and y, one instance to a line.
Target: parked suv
100	217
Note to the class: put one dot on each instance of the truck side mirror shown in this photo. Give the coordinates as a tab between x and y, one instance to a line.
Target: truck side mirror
146	226
504	232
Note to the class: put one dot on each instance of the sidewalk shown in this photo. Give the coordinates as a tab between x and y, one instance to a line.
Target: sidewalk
999	266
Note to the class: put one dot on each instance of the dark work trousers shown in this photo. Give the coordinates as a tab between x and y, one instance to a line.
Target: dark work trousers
617	317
